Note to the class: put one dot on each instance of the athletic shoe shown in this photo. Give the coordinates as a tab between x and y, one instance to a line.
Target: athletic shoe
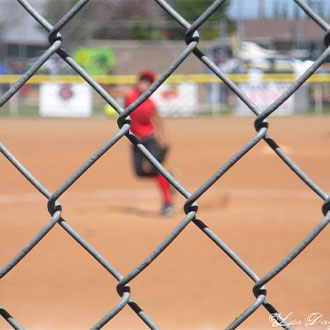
167	210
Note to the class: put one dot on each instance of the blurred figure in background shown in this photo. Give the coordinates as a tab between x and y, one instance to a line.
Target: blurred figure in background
148	127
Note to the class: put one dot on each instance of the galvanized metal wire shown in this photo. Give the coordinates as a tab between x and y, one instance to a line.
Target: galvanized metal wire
261	126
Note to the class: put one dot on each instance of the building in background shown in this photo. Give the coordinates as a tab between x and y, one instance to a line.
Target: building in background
21	37
299	38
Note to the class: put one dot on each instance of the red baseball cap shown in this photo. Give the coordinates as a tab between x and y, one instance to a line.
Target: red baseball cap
147	75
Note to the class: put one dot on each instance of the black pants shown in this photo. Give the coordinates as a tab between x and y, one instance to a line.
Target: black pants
138	158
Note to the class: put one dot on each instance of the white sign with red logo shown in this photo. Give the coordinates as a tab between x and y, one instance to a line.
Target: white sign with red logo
176	100
65	100
263	94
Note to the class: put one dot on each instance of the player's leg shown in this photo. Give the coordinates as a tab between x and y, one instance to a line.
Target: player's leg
138	162
165	188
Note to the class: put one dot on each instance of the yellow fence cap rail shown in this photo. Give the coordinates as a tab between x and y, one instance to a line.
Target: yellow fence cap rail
179	78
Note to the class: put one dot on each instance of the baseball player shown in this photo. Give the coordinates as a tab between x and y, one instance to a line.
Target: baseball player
147	126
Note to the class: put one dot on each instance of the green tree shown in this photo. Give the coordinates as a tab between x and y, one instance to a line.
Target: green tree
133	19
192	9
73	31
108	19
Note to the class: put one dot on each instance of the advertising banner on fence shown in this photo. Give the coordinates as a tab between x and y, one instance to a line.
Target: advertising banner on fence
177	100
65	100
264	94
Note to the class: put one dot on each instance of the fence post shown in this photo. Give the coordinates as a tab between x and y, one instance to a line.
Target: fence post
13	104
318	98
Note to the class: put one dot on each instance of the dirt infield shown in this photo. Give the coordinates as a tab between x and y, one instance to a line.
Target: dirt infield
259	208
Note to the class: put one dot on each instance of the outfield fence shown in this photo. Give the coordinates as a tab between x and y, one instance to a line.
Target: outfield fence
211	94
261	125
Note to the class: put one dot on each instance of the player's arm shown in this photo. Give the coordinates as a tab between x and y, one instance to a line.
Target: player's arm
160	130
119	91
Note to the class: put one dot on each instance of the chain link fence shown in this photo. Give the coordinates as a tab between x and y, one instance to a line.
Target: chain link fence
191	198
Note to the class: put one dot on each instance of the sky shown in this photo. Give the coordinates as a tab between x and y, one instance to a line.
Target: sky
249	8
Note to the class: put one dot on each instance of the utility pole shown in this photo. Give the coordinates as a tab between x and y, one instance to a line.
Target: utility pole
317	6
240	25
261	8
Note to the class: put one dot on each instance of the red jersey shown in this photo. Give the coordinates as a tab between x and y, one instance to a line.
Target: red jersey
141	118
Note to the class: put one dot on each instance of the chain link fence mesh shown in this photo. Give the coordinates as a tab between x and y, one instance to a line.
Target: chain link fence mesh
191	198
